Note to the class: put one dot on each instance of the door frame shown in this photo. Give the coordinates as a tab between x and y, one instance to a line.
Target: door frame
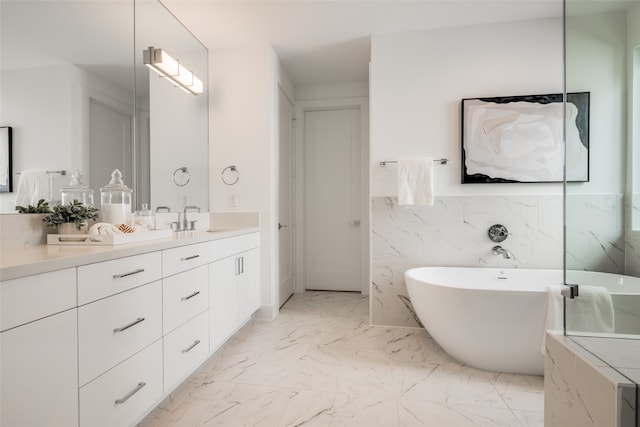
301	107
292	196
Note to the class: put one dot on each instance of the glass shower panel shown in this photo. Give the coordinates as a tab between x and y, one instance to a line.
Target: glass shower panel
602	244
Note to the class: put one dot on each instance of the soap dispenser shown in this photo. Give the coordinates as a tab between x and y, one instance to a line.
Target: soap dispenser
77	191
115	200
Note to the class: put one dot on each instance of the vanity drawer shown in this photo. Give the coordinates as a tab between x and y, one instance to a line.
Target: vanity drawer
233	245
184	349
122	395
30	298
184	258
184	296
114	328
107	278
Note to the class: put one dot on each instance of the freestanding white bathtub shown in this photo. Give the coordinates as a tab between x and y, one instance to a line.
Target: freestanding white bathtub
494	319
488	318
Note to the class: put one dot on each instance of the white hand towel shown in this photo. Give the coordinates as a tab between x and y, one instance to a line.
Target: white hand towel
415	181
553	321
591	310
34	184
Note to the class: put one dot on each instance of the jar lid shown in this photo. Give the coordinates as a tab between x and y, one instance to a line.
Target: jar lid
116	183
76	183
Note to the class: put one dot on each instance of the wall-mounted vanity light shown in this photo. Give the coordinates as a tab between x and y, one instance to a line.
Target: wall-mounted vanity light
162	63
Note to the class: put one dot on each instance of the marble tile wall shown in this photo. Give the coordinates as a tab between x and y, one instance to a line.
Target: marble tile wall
632	242
581	390
454	233
18	230
596	232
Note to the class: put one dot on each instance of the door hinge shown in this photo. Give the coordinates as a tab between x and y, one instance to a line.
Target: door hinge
570	290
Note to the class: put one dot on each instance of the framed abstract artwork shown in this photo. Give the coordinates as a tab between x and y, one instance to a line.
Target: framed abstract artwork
520	139
6	167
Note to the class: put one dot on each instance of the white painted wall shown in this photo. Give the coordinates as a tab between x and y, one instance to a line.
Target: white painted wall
596	62
334	91
243	102
417	82
419	78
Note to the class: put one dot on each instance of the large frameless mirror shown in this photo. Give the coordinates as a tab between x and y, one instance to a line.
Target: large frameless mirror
76	98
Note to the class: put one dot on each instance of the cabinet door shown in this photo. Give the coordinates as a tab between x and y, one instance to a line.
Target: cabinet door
184	349
123	394
100	280
30	298
248	284
39	365
184	296
223	300
115	328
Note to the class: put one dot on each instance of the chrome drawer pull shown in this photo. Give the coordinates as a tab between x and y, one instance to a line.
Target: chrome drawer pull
188	349
190	296
190	257
120	276
124	328
131	393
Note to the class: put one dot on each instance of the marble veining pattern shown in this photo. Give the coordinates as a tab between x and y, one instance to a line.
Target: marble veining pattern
320	363
581	390
454	233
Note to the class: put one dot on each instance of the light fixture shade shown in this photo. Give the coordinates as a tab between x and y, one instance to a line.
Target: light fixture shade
165	65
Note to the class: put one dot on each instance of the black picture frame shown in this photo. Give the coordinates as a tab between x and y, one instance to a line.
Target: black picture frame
6	159
492	129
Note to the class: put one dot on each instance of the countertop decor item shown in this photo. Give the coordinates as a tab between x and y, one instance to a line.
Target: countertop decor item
116	201
42	207
77	190
72	213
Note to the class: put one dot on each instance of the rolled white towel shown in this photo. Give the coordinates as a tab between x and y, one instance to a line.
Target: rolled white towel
104	229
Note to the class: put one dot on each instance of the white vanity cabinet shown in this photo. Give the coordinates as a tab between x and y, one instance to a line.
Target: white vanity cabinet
185	319
234	285
39	351
122	395
100	344
119	339
115	328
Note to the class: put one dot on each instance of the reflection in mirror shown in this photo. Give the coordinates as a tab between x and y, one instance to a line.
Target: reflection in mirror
173	141
62	62
67	90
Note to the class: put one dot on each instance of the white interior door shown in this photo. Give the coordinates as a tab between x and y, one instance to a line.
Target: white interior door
109	145
333	199
285	191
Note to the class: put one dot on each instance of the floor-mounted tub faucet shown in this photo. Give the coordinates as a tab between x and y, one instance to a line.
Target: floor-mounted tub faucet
499	250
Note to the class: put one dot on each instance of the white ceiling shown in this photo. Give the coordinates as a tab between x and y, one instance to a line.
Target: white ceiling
328	41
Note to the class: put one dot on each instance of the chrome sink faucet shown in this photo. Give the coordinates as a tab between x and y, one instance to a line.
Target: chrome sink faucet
499	250
185	223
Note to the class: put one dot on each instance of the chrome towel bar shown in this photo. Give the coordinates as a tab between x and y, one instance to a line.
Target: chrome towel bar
386	162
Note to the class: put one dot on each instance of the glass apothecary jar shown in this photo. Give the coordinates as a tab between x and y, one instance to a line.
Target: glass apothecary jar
115	201
145	218
77	191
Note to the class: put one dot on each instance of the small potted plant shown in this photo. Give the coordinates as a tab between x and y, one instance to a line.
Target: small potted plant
71	218
41	208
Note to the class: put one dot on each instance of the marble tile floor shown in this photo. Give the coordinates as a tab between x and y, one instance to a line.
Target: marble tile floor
320	363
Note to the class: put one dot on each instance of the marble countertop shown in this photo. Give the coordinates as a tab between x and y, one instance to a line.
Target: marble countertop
37	259
620	353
